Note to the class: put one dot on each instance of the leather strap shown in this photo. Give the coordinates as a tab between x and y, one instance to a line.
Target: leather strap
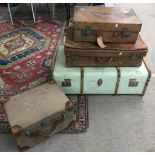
50	133
82	80
118	80
148	79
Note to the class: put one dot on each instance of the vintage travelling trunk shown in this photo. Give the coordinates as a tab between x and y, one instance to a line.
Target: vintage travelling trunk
100	80
112	24
38	114
82	54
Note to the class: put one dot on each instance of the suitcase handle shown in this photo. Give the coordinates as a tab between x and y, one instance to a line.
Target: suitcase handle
103	62
56	124
100	42
32	134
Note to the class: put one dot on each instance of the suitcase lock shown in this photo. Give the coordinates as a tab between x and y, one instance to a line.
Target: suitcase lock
87	31
66	83
134	56
99	82
133	83
125	33
75	57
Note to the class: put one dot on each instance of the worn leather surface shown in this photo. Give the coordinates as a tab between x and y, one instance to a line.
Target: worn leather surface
70	43
106	18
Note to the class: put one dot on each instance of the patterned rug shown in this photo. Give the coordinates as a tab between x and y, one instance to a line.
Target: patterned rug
81	119
27	54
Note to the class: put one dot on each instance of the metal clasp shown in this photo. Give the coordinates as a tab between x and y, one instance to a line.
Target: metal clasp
133	83
87	31
66	83
75	57
125	33
134	56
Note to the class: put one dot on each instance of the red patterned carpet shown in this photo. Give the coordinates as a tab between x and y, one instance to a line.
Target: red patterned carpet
27	54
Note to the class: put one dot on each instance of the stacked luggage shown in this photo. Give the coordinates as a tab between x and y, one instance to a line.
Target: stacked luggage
103	53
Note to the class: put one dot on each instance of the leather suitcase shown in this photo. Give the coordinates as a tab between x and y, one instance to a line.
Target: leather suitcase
100	80
37	114
114	24
82	54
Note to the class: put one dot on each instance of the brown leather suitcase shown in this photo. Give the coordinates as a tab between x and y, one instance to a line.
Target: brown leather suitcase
82	54
113	24
37	114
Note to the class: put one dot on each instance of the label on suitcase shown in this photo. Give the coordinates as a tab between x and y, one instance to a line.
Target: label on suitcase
38	114
100	80
114	24
82	54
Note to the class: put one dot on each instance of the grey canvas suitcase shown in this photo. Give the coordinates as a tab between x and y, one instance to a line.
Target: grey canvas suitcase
38	114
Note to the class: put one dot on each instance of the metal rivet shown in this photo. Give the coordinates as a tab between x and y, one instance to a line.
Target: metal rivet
120	53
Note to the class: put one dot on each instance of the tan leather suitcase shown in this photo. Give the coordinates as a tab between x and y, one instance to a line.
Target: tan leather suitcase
82	54
113	24
37	114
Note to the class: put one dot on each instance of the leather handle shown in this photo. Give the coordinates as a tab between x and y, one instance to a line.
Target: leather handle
103	62
50	133
100	42
32	134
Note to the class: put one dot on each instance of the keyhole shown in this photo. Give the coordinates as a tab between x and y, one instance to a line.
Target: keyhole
99	82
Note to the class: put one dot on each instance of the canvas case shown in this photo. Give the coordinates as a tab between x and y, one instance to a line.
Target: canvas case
82	54
37	114
114	24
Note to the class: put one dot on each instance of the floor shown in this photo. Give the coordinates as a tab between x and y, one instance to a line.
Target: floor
117	123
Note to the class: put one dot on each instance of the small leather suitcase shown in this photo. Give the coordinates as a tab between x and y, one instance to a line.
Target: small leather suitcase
37	114
114	24
82	54
100	80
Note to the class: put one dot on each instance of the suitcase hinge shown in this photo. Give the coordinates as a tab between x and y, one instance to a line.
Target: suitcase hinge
87	31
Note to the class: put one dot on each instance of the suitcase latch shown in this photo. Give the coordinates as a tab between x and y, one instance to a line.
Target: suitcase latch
133	83
134	56
99	82
66	83
75	57
125	33
86	31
